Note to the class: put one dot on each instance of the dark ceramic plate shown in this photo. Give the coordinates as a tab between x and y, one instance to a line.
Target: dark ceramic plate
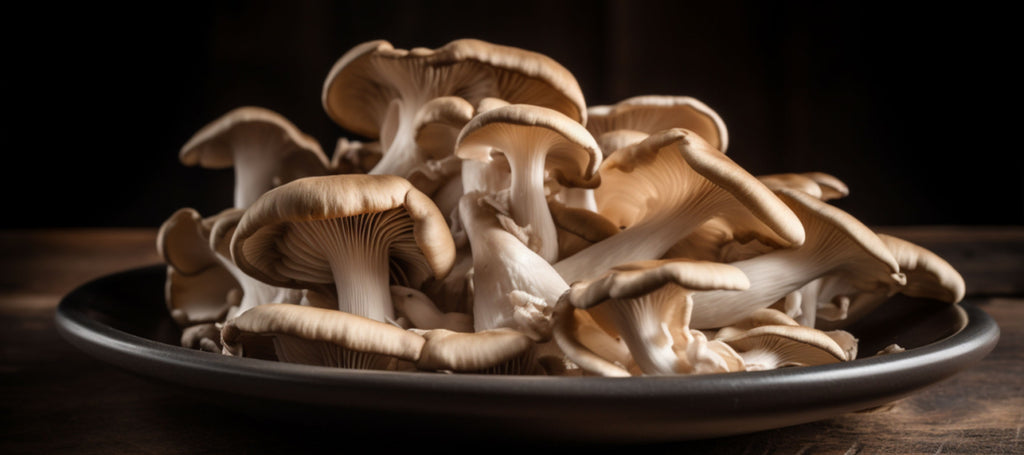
121	319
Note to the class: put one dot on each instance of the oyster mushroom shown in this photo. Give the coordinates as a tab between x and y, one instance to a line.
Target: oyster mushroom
536	142
254	292
354	157
770	347
835	302
264	148
835	243
648	114
513	287
377	91
350	235
648	304
495	351
319	336
818	184
198	291
660	190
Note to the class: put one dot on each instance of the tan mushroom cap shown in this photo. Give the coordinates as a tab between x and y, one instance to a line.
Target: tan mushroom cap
197	288
636	278
254	136
296	326
661	189
438	124
653	113
648	305
572	152
360	85
788	346
538	143
256	244
837	244
818	184
494	351
928	274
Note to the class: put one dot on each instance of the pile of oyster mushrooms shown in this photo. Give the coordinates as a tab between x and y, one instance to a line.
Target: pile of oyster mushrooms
488	221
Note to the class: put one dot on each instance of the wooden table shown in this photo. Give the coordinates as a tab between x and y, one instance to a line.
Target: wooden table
56	399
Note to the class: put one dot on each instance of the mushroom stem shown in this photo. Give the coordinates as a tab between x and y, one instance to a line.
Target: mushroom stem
642	322
359	259
529	205
649	239
256	176
398	139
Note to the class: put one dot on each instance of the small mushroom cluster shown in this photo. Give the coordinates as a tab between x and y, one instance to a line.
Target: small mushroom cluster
488	221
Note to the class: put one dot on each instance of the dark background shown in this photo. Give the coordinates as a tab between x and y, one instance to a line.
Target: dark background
913	106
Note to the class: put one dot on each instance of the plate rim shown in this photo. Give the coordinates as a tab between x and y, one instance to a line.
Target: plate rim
912	370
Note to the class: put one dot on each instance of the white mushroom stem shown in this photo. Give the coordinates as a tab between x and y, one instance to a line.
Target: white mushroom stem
836	243
513	287
357	250
398	138
257	163
649	239
529	205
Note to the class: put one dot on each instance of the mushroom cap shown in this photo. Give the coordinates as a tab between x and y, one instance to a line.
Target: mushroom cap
261	235
928	274
790	345
653	113
818	184
362	83
447	350
573	155
213	146
304	323
633	279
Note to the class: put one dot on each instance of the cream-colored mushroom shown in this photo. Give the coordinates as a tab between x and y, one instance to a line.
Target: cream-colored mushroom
513	286
376	90
254	292
648	305
197	288
821	185
835	243
263	147
648	114
495	351
354	156
319	336
536	142
350	235
660	190
841	301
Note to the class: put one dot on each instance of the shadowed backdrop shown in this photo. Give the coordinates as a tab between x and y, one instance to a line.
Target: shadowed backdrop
904	105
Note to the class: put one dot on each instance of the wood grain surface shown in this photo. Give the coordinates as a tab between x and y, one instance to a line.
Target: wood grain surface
55	399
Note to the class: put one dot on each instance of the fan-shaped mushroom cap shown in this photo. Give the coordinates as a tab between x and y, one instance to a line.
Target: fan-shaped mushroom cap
652	113
254	291
197	287
836	243
663	188
494	351
264	148
769	347
353	231
536	142
928	276
818	184
318	336
648	304
376	90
